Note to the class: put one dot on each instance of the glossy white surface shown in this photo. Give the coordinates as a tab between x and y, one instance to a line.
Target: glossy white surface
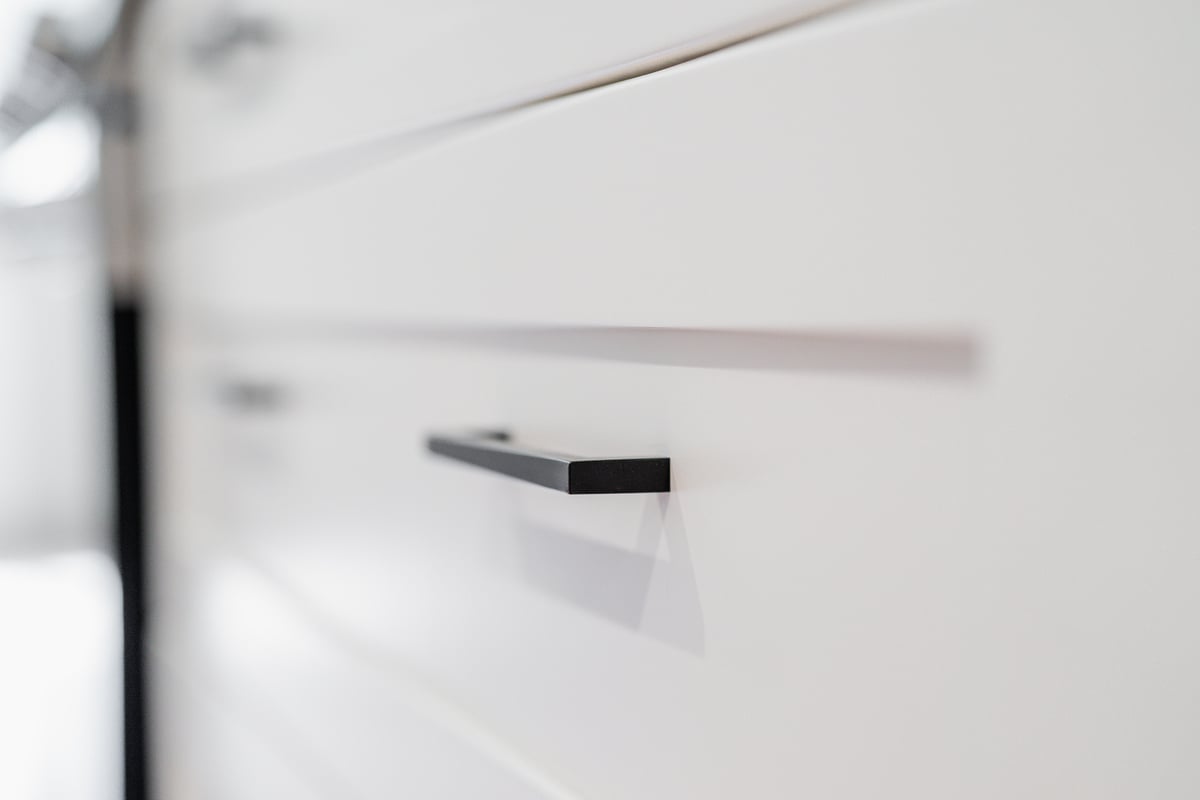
338	74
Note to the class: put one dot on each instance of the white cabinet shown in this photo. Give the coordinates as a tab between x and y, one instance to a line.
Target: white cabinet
53	402
905	294
901	170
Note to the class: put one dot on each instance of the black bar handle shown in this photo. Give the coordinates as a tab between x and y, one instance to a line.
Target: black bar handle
493	451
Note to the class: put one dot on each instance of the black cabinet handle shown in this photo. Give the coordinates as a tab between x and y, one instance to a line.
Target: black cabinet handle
491	450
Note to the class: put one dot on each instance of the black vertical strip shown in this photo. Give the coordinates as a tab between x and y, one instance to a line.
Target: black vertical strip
130	525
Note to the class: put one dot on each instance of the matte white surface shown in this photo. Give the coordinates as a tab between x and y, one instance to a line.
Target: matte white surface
946	578
872	578
947	165
342	723
207	747
338	74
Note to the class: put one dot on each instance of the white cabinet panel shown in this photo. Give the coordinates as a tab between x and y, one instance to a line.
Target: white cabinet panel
204	747
907	296
941	166
870	577
238	86
255	694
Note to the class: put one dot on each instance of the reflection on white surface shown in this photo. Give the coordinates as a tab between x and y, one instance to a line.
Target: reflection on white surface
60	678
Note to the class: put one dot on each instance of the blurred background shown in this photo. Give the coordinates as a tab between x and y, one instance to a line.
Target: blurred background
60	596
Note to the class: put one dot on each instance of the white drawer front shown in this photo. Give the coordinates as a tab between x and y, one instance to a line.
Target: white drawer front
977	579
238	86
257	695
923	309
206	746
899	170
